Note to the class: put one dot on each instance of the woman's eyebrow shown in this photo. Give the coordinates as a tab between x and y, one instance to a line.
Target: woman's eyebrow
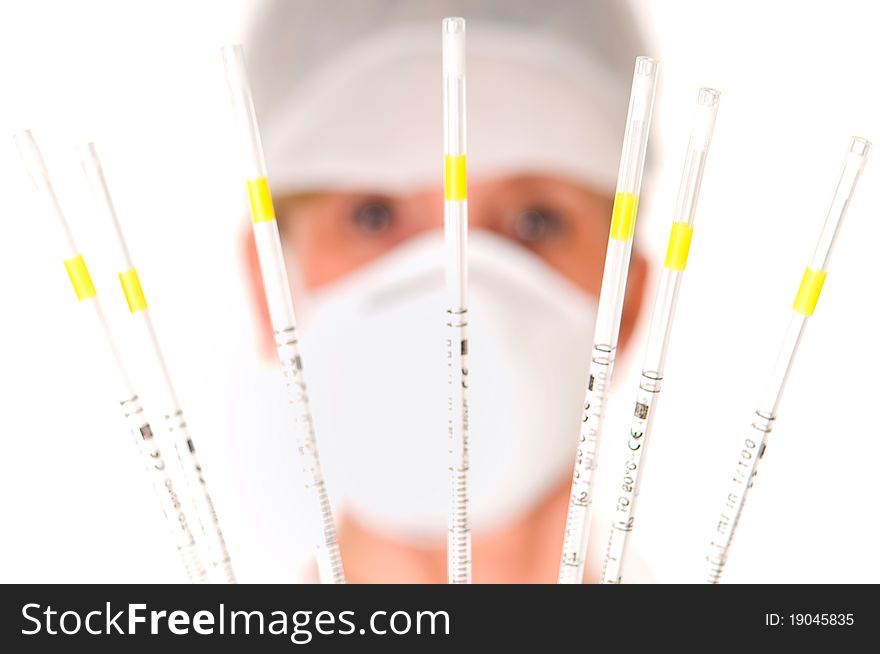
296	199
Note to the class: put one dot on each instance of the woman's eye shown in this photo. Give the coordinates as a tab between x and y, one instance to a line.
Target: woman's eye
373	218
534	225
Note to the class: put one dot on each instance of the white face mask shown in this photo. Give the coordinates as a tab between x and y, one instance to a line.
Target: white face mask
375	360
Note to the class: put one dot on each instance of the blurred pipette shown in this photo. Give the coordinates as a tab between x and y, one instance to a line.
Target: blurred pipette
617	257
804	304
281	315
209	536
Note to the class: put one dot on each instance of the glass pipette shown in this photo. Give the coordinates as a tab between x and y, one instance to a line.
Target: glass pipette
805	301
279	300
659	332
132	410
617	257
455	227
209	535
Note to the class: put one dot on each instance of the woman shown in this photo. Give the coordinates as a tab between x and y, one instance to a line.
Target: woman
349	99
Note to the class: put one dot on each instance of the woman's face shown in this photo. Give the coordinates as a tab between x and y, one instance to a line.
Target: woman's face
334	233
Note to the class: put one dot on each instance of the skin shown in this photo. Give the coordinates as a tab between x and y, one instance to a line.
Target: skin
564	223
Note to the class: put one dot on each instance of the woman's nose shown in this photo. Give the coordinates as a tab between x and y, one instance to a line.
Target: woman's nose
430	205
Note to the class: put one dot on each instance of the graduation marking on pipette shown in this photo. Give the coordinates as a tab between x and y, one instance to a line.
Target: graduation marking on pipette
455	227
132	410
658	334
281	314
611	295
210	537
804	305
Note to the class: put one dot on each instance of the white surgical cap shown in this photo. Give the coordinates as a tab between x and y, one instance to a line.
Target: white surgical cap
348	92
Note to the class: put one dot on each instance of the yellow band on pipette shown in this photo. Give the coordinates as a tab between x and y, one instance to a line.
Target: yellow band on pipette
456	177
623	216
134	294
80	278
679	246
808	293
262	209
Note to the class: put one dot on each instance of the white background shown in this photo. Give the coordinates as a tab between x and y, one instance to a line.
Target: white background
144	80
